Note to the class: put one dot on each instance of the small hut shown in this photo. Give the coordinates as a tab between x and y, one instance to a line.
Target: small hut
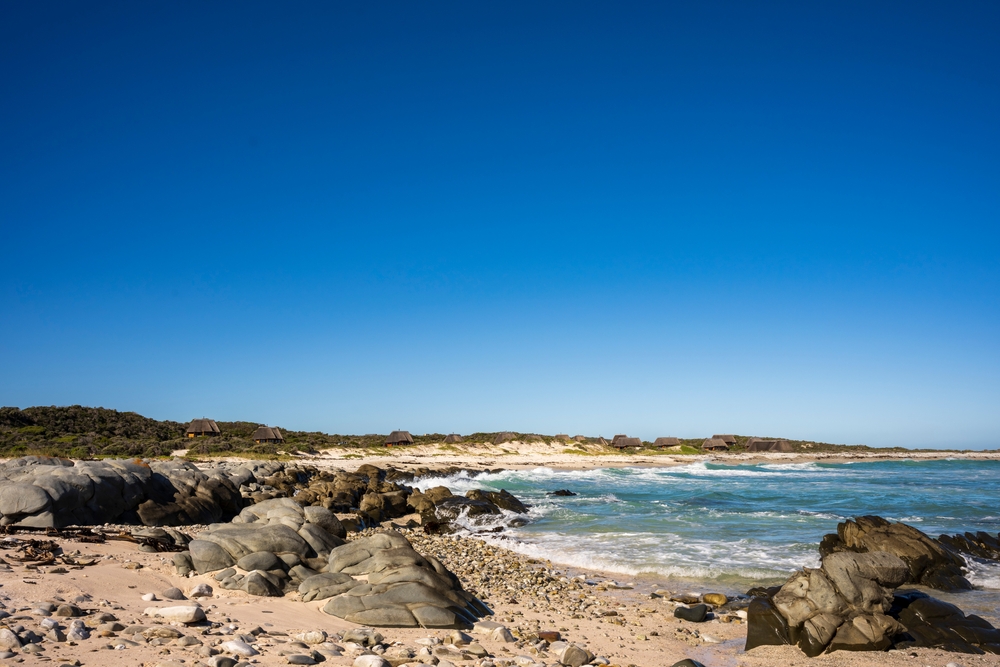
729	439
623	441
454	437
760	445
715	445
666	442
399	438
199	427
580	438
602	441
506	436
562	437
267	434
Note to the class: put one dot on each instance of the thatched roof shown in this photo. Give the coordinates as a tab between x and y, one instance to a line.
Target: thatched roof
267	434
714	444
454	437
580	438
561	436
399	438
623	441
602	441
728	439
759	445
203	427
506	436
666	442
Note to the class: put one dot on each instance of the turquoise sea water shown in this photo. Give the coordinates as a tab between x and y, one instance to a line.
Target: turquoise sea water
734	525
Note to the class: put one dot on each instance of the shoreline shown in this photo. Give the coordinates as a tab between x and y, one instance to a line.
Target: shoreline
626	618
628	622
548	456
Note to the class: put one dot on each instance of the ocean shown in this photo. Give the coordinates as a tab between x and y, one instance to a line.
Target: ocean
731	527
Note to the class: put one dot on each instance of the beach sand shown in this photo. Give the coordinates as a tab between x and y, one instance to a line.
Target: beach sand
620	619
535	455
642	630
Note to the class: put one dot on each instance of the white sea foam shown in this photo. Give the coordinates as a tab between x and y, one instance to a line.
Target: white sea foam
985	575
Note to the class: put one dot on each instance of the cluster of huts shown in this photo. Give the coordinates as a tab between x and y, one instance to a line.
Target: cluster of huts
207	427
717	443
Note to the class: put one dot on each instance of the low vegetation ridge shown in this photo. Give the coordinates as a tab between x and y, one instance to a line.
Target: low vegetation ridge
82	432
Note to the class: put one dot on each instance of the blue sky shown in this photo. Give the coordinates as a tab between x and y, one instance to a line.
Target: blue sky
564	217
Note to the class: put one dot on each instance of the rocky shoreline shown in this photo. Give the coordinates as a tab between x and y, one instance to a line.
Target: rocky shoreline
363	548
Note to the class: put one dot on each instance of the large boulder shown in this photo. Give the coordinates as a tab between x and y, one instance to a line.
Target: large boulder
48	492
931	563
850	602
403	588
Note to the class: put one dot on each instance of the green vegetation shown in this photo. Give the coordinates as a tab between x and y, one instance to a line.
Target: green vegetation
81	432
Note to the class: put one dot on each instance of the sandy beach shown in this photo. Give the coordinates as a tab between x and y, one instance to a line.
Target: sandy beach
626	622
518	455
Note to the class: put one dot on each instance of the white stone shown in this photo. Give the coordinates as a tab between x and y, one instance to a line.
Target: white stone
8	640
180	614
370	661
486	627
149	597
312	637
502	634
239	648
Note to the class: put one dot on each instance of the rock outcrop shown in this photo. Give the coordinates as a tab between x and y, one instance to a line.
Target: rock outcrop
269	557
931	563
47	492
851	601
403	588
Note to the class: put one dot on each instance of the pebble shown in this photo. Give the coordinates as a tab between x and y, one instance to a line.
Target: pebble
172	594
240	648
312	637
201	591
149	597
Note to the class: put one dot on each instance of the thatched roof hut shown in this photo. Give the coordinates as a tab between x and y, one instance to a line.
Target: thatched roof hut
729	439
623	441
505	436
666	442
561	436
454	437
759	445
602	441
202	427
580	438
399	438
267	434
714	444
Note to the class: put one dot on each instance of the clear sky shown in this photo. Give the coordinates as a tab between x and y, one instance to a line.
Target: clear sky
644	218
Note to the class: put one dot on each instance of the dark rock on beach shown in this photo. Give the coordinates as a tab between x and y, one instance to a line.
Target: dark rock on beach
695	613
931	563
851	601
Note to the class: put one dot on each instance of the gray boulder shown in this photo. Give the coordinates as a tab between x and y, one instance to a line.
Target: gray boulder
404	589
